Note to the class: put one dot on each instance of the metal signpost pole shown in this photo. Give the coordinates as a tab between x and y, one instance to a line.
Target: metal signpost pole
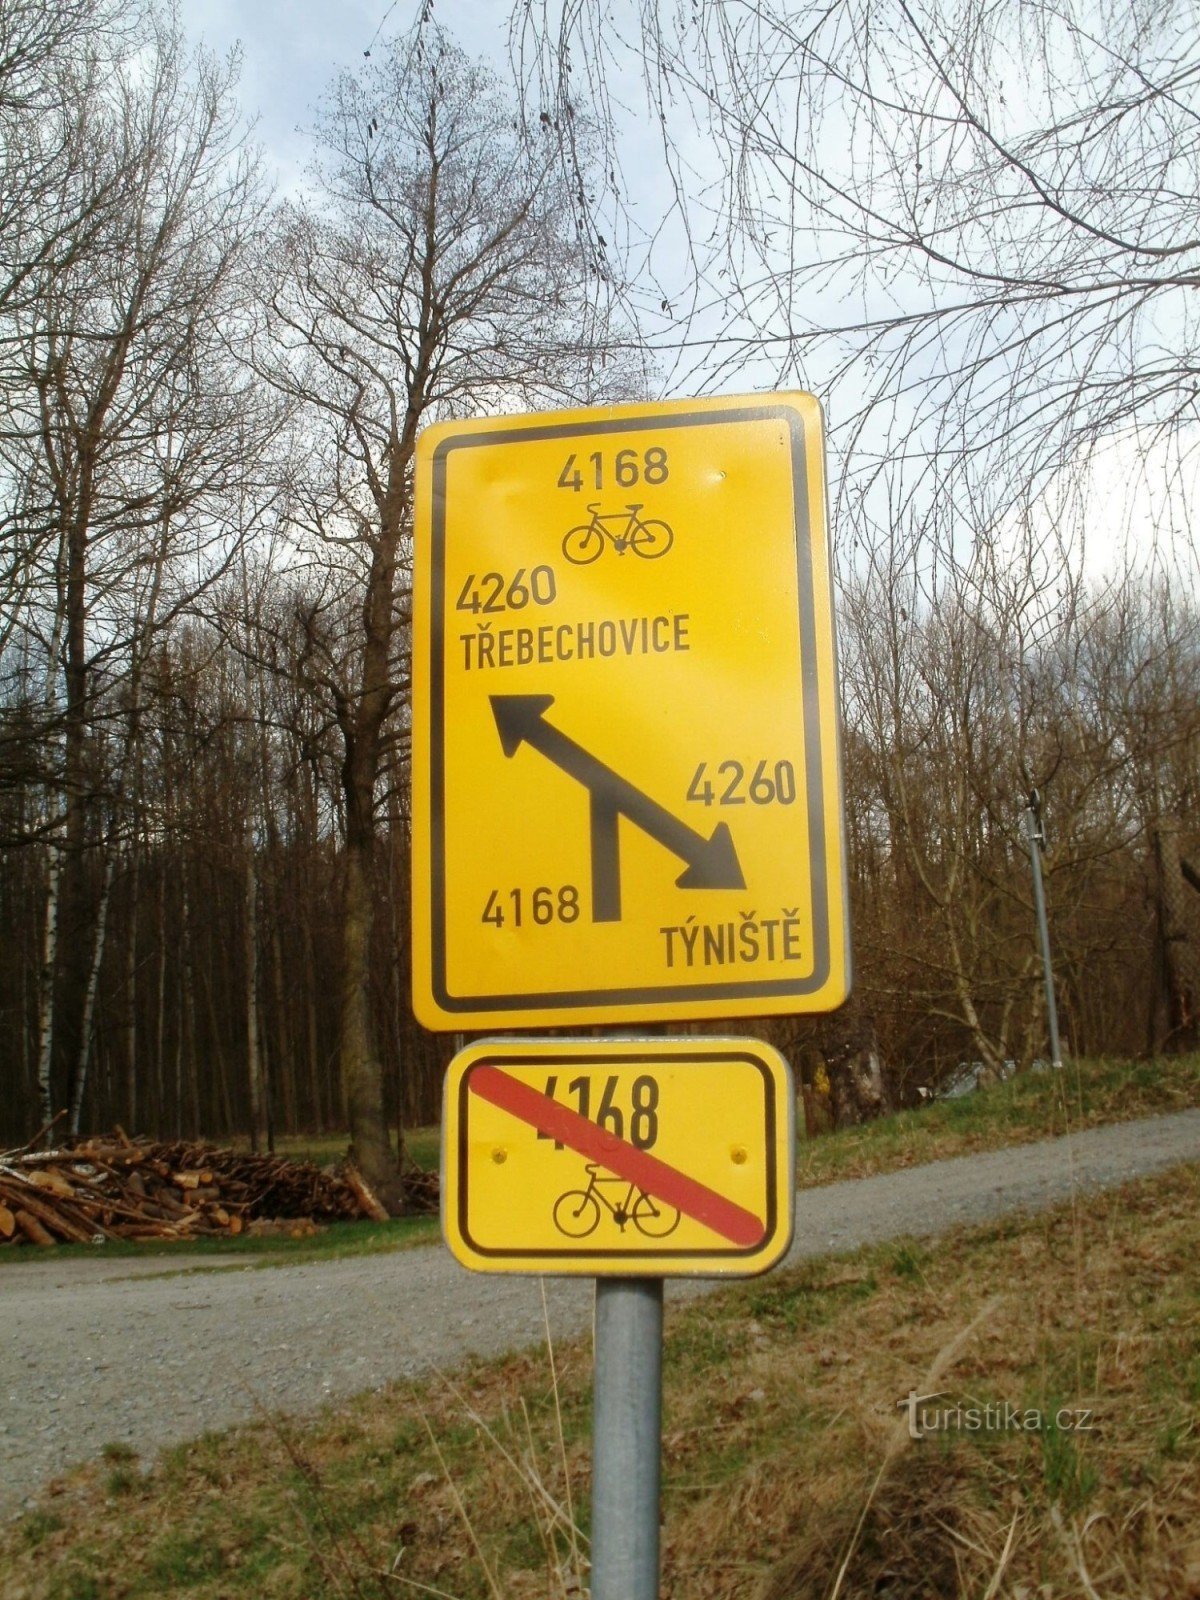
1033	822
627	1438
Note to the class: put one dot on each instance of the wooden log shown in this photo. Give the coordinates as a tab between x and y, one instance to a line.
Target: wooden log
58	1219
367	1201
32	1229
111	1212
39	1135
8	1223
50	1178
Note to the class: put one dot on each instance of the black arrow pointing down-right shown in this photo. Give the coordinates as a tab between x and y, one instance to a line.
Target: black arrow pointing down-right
712	863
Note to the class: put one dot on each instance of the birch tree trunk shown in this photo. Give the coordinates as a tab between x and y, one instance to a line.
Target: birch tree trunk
130	1029
46	985
254	1072
93	981
187	1010
160	1027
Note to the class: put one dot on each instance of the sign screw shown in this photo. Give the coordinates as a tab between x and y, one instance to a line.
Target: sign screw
499	1155
738	1155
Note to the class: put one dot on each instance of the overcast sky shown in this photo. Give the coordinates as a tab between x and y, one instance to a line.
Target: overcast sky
293	48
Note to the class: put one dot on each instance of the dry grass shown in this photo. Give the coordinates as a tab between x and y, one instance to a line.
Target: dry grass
1093	1311
788	1470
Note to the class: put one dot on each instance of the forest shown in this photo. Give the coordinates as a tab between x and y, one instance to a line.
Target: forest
210	394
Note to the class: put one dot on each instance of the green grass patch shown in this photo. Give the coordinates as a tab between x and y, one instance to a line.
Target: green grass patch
335	1241
118	1452
39	1525
1034	1105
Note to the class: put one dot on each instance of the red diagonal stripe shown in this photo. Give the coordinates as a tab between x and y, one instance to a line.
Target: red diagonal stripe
695	1200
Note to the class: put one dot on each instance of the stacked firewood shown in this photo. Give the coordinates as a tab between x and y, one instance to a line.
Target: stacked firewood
121	1188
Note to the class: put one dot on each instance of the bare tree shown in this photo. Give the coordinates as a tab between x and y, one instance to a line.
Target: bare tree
128	426
438	273
972	228
52	199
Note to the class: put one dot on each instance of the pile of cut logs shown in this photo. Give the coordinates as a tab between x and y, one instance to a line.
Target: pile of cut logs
122	1188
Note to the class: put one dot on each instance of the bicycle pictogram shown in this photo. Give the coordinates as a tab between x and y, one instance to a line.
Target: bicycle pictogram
648	538
577	1213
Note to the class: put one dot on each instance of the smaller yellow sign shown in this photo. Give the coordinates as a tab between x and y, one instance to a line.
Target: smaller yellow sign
630	1157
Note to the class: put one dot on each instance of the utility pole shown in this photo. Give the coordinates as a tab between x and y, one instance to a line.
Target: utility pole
1036	835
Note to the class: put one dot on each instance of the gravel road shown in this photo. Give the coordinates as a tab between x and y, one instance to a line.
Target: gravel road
94	1351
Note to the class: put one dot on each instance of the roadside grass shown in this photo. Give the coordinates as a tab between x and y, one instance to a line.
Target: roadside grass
1035	1105
335	1241
789	1473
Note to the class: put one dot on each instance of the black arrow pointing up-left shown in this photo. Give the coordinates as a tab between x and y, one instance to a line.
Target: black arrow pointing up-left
711	863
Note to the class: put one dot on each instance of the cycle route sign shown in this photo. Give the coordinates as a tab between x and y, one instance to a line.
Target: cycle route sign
655	1157
626	771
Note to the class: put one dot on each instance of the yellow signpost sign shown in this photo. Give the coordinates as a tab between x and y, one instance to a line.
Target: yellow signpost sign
626	784
654	1157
